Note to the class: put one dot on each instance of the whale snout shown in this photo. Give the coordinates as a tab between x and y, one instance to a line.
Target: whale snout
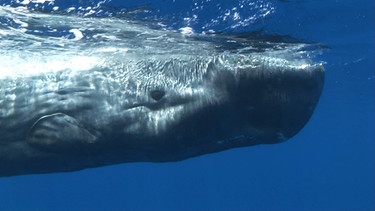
275	103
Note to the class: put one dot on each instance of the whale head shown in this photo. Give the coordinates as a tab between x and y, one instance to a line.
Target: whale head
180	108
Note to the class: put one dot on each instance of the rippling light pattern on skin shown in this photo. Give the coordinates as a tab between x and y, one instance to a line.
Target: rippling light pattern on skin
108	39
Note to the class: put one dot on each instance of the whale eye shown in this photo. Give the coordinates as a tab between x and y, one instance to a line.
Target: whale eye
157	94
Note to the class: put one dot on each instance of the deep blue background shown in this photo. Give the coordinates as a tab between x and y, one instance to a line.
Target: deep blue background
329	165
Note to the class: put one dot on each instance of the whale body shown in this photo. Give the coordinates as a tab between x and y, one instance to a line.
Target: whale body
149	106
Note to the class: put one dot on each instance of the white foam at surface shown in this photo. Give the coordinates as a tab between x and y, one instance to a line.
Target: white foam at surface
26	2
77	33
186	30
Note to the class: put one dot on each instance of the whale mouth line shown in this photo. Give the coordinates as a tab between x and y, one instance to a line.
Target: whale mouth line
163	105
151	107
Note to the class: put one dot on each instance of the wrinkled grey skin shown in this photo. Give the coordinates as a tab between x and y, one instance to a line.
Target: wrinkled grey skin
163	110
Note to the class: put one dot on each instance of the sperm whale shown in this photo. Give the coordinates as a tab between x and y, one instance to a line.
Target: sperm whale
162	97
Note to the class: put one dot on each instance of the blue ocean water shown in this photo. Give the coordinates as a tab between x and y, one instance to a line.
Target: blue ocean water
329	165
